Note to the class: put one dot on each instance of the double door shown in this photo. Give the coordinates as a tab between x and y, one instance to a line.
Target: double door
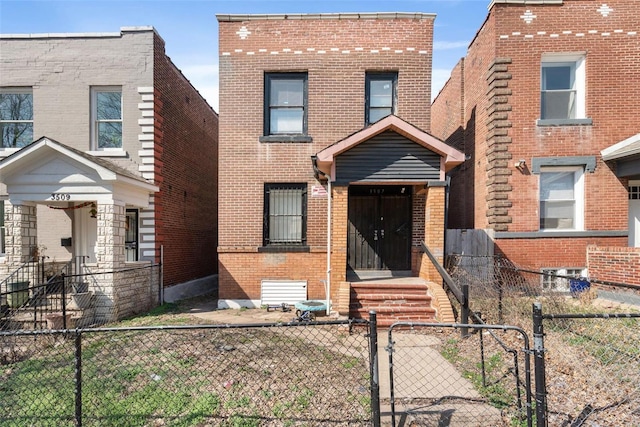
379	234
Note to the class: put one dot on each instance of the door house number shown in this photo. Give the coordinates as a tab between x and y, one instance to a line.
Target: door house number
60	196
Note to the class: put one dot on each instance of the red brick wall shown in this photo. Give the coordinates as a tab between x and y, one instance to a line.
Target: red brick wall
336	54
434	235
448	124
186	171
613	86
509	51
614	264
447	110
552	253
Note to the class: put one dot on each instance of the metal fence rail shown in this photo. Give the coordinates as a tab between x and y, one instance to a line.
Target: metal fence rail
591	358
438	378
80	300
269	374
592	368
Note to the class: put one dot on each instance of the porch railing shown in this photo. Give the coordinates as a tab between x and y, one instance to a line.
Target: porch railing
24	305
461	293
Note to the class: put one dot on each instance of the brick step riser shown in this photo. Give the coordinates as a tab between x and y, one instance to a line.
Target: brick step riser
392	311
384	299
389	290
379	304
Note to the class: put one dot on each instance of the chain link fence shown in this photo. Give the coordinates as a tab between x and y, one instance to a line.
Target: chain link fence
442	378
591	328
223	375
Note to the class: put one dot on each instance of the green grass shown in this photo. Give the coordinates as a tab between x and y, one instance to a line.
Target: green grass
146	378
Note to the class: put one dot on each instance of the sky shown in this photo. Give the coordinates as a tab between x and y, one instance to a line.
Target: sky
190	29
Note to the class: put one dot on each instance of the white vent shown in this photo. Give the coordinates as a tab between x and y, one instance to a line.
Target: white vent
274	292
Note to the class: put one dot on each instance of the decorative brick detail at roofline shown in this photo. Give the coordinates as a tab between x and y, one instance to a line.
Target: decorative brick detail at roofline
498	141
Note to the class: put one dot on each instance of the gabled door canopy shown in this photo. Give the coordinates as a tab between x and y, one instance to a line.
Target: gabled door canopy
450	157
47	167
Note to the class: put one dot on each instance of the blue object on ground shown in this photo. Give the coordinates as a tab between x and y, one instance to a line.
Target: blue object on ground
311	306
578	285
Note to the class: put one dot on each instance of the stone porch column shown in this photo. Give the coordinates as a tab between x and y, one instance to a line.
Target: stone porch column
110	256
111	232
21	236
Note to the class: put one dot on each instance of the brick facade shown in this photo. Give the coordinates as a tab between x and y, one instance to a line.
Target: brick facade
186	167
614	264
498	87
335	51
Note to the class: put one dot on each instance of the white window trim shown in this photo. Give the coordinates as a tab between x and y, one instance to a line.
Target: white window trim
578	188
94	112
578	60
17	90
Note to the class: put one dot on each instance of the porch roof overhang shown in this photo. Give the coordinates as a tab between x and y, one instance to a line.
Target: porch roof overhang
626	155
47	167
450	157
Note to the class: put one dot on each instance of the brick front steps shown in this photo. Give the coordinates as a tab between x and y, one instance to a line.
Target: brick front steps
393	301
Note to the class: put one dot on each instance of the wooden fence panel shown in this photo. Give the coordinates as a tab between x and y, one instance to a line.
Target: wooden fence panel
470	242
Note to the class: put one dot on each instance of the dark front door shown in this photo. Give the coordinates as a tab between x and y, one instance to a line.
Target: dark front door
379	228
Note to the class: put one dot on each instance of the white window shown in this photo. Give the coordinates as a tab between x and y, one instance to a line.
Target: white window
16	117
562	198
558	279
106	123
562	87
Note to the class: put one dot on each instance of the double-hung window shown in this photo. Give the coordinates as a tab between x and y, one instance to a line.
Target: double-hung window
562	89
380	96
285	104
106	118
16	117
285	214
562	198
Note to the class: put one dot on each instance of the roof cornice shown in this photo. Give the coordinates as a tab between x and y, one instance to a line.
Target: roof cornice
524	2
123	30
222	17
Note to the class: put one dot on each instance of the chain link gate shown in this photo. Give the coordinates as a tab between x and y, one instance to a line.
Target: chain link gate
436	376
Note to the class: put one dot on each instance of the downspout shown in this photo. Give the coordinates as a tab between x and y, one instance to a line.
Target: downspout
316	173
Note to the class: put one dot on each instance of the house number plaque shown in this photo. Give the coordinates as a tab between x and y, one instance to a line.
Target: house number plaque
60	196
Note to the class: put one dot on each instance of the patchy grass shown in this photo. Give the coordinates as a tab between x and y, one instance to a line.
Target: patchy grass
193	377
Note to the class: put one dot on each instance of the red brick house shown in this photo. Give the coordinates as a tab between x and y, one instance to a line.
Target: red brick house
545	104
123	170
324	119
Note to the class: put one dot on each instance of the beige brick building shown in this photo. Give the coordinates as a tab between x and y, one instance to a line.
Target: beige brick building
324	149
124	164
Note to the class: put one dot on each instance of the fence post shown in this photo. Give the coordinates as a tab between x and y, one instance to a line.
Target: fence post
78	379
464	311
373	369
538	352
64	301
